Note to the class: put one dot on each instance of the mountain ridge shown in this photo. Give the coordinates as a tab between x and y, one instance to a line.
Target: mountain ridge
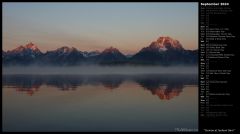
163	51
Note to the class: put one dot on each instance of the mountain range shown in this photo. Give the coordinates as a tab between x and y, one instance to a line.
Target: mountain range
163	51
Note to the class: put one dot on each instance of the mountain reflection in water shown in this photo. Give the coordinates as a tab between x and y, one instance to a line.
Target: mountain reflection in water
165	87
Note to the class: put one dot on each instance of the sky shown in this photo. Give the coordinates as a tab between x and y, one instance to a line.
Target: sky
96	26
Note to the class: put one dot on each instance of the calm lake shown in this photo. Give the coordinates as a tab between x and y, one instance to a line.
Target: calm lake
99	102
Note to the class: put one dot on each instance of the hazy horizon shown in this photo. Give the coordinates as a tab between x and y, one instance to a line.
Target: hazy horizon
96	26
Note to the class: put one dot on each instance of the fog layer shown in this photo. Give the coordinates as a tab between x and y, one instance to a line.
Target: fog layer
101	70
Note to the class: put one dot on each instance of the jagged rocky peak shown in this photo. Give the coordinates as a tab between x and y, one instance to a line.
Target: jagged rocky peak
31	46
164	43
28	47
169	42
18	49
66	49
111	50
91	53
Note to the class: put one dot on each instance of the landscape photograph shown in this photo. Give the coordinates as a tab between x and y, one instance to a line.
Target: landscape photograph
100	67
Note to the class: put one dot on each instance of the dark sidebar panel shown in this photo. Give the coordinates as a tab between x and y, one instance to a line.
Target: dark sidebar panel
218	57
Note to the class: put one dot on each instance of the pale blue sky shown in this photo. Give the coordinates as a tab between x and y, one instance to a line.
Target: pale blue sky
95	26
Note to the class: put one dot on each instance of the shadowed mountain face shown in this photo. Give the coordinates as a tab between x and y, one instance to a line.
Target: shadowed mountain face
22	55
111	56
63	56
165	87
163	51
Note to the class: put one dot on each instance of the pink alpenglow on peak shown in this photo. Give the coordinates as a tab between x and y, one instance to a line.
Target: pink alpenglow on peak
30	46
164	43
168	41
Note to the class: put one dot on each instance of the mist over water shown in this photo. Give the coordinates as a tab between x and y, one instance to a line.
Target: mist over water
99	102
101	70
100	98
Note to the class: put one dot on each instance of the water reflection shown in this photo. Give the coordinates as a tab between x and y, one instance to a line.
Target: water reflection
99	103
165	87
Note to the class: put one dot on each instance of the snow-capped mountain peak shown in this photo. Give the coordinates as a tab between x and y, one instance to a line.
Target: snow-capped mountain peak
157	46
31	46
163	43
28	48
91	53
168	42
